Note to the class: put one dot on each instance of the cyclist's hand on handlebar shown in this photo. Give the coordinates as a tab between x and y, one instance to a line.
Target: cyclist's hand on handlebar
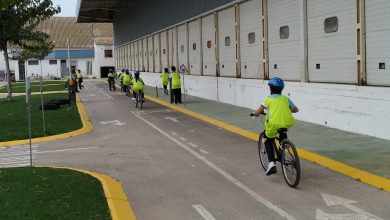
252	114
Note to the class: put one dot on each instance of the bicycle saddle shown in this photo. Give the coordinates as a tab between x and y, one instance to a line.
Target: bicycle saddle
282	130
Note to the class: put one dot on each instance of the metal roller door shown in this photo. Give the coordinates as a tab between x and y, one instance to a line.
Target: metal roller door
378	42
284	34
140	55
170	47
208	46
150	54
133	56
157	57
174	46
227	42
194	52
145	54
127	56
136	52
164	49
182	45
332	41
251	44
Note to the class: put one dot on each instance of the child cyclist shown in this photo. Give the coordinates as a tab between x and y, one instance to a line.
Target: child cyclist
126	78
165	79
278	109
138	85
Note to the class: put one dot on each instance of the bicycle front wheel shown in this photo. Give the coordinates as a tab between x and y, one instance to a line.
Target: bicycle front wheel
290	164
262	152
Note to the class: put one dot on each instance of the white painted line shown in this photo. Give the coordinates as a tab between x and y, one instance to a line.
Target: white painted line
252	193
95	87
64	150
203	151
174	134
7	159
193	145
17	153
182	139
203	212
110	97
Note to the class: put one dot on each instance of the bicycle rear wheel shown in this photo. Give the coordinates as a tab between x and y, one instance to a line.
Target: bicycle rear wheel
141	100
262	152
136	100
290	164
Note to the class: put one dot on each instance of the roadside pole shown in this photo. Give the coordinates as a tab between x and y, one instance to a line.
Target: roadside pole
43	109
28	102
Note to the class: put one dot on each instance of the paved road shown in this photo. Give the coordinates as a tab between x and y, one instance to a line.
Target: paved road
173	166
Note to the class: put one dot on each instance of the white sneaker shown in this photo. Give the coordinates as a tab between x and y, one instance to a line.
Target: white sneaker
133	99
271	169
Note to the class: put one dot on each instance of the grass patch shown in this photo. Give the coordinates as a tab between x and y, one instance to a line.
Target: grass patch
48	193
14	120
35	87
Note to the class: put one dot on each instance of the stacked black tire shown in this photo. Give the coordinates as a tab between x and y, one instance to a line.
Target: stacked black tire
54	104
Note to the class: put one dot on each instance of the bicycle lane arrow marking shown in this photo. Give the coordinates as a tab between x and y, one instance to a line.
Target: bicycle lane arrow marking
331	200
115	122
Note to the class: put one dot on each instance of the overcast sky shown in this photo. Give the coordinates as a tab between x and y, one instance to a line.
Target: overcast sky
68	7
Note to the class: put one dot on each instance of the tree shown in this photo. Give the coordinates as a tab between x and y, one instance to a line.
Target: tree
18	21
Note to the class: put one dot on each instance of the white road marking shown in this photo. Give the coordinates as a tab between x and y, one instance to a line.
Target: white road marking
64	150
193	145
233	180
172	119
203	151
114	122
110	97
182	139
203	212
95	87
16	156
331	200
174	134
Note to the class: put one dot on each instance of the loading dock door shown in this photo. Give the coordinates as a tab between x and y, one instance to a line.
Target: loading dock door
378	42
182	44
150	54
174	46
251	40
164	49
332	41
284	39
140	57
227	42
157	57
145	54
208	46
170	47
194	49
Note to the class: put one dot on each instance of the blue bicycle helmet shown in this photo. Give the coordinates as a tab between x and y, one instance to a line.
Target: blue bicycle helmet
276	82
136	73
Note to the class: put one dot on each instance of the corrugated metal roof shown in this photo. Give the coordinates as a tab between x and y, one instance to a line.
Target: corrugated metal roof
104	41
81	35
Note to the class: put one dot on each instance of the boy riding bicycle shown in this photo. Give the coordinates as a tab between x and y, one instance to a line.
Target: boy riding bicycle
138	85
278	109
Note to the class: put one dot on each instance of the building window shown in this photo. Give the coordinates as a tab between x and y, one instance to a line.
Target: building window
284	32
33	62
182	48
107	53
251	38
209	44
331	24
194	46
163	51
52	62
227	41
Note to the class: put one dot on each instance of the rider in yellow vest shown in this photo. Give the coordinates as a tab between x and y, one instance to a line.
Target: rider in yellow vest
138	85
165	80
79	79
176	85
278	109
126	77
111	80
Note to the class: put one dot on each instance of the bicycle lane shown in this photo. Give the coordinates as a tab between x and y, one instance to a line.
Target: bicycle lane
322	193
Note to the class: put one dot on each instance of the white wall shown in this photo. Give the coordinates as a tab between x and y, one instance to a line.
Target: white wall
363	110
100	60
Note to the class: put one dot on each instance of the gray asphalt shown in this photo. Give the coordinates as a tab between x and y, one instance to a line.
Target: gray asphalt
190	169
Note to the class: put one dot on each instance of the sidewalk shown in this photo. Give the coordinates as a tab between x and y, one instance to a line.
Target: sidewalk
359	151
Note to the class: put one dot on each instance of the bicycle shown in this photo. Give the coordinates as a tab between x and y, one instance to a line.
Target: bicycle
139	100
285	153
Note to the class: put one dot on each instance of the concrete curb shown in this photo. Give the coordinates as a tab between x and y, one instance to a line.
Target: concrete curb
118	204
87	127
360	175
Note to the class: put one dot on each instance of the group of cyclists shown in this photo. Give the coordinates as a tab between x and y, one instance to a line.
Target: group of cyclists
128	82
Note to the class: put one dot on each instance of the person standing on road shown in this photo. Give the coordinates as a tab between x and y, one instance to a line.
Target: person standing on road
165	79
111	80
79	79
176	85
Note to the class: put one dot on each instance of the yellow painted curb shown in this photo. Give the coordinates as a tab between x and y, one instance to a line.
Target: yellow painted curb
118	204
87	127
363	176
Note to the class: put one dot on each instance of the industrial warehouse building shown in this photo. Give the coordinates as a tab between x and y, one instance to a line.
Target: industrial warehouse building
91	50
334	55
